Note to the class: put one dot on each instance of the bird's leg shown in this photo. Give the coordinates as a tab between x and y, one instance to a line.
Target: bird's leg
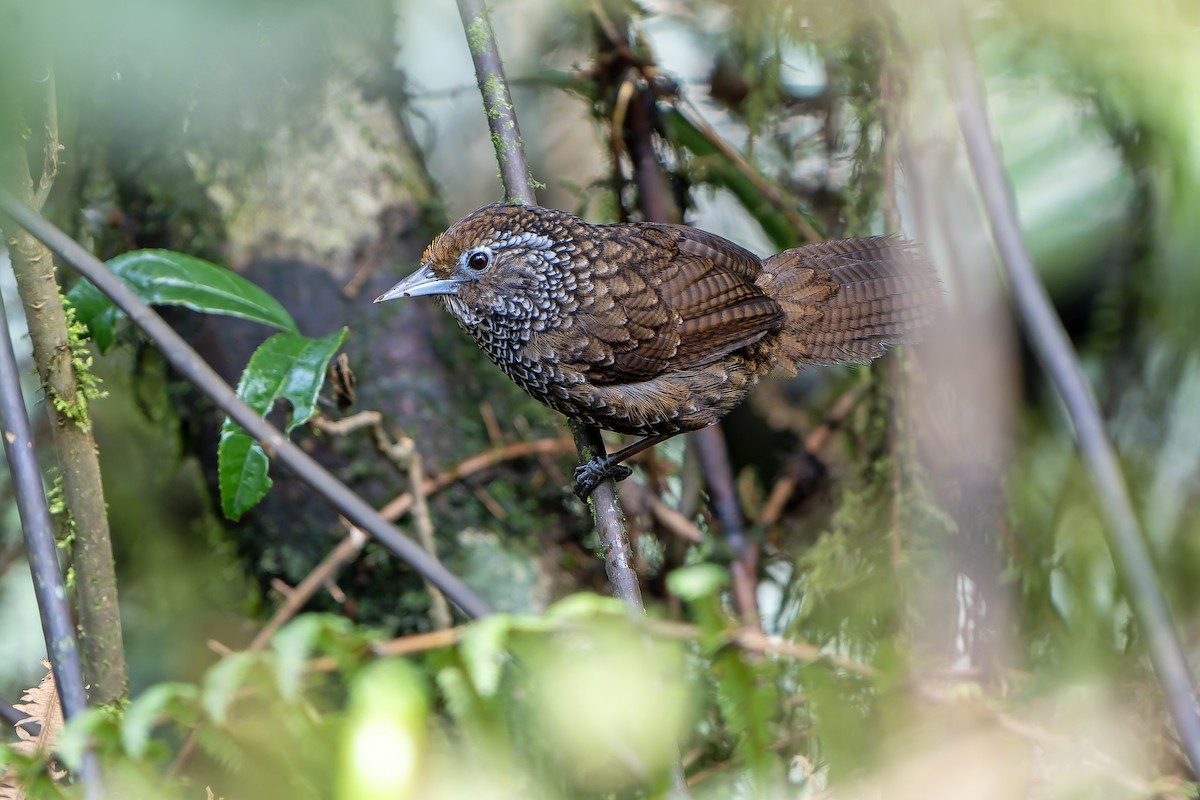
589	475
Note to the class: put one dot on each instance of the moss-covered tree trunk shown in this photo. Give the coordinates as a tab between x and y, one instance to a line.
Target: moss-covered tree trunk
56	360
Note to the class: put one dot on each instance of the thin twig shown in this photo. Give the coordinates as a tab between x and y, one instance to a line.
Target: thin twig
418	643
674	521
490	423
345	552
770	192
814	443
53	147
1054	350
490	503
439	612
189	363
748	639
610	523
497	102
49	588
399	506
404	454
510	153
718	474
346	425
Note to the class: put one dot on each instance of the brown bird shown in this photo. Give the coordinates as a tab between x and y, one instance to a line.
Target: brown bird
655	329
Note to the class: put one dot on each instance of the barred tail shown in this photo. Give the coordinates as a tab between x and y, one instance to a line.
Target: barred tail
850	300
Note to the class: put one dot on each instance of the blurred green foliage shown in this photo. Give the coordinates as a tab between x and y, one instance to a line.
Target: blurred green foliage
896	590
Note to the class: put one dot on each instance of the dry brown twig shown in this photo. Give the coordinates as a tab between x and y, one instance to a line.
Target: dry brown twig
439	609
748	639
403	453
491	424
671	520
345	552
815	442
347	425
396	452
401	505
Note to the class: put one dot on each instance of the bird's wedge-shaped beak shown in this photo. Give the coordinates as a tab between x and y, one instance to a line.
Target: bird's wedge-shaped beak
421	282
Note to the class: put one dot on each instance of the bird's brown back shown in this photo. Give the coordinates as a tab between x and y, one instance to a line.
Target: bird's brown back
668	298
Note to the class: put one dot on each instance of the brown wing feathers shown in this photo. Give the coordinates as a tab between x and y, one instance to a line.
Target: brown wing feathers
710	285
690	298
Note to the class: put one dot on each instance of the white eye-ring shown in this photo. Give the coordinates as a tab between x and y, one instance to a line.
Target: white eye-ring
479	260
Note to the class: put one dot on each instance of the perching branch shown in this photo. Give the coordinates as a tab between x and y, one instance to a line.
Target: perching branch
497	102
632	122
189	364
1054	350
510	153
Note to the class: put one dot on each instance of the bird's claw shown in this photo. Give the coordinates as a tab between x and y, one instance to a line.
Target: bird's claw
589	475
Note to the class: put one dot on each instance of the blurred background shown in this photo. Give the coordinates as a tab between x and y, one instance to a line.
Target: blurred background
927	516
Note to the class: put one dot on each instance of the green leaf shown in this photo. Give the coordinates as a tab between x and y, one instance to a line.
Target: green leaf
291	367
583	605
96	311
295	643
222	682
697	581
80	735
174	700
241	471
484	651
286	366
164	277
461	701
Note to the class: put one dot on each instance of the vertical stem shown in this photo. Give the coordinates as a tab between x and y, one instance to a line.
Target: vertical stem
96	582
636	127
497	102
510	153
439	609
40	547
714	462
1053	349
610	523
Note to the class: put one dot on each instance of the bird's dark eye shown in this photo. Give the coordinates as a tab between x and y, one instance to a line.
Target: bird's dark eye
478	260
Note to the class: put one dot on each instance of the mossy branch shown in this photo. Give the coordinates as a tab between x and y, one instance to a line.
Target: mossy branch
497	103
63	368
510	153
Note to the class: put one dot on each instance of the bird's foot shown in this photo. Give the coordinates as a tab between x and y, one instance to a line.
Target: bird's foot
589	475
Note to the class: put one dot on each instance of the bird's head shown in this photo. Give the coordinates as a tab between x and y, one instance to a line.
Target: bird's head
502	260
